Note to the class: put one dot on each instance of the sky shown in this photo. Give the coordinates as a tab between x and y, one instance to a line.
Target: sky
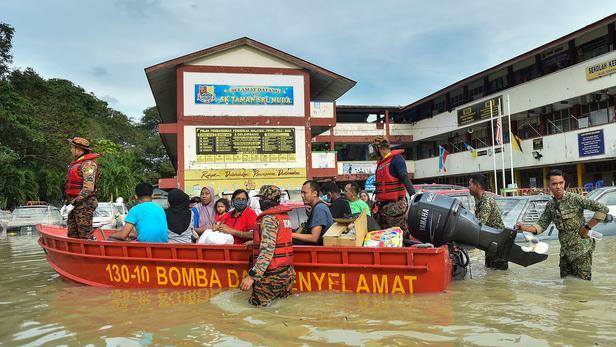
397	51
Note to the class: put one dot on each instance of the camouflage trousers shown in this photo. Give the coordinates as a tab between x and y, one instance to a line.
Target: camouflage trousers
79	222
276	283
579	267
493	262
394	214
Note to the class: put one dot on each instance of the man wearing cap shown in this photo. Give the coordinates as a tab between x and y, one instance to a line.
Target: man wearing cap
272	274
392	185
80	189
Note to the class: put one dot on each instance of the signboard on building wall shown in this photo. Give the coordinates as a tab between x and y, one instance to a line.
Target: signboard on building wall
358	168
224	94
245	145
537	144
321	109
479	111
601	69
591	143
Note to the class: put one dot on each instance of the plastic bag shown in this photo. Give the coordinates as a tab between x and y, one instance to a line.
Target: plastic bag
391	237
210	237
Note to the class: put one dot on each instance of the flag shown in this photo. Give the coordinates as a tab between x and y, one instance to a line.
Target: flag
499	132
470	149
516	143
442	158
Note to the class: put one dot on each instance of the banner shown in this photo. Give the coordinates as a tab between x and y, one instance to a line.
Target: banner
224	94
591	143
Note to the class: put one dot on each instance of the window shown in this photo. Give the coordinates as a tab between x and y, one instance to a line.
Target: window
594	48
560	121
595	113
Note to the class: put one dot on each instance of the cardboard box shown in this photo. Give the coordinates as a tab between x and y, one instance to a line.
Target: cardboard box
337	235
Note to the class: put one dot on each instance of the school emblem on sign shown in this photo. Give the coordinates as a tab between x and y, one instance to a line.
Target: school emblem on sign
206	94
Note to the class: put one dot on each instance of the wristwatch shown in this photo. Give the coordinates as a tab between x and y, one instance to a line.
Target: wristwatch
252	273
587	227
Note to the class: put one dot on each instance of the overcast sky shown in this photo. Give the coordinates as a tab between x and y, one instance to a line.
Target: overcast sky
397	51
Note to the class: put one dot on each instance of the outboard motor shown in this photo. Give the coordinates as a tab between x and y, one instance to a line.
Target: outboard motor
440	219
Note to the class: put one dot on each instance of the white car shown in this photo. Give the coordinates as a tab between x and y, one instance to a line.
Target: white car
110	215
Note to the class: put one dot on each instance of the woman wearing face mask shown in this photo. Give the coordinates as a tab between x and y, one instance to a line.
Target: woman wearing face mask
240	221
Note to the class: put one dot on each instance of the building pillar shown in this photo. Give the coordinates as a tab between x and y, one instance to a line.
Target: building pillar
546	184
517	175
492	184
581	170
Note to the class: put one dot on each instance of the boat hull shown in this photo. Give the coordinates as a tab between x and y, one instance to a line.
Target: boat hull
151	265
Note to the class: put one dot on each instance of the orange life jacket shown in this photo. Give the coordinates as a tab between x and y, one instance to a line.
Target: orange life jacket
388	187
74	180
283	254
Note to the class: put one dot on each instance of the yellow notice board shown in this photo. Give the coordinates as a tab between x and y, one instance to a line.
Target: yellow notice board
601	69
231	179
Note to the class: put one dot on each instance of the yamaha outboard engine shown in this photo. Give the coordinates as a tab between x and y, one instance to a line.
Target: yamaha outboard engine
440	219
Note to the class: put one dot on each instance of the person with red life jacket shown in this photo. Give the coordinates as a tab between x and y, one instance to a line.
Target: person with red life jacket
392	185
272	275
80	189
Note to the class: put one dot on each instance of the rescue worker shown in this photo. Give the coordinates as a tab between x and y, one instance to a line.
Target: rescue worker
566	211
488	213
80	189
272	275
392	185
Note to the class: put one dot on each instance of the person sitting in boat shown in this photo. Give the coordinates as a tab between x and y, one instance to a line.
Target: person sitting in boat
147	217
241	221
338	205
357	205
207	218
320	218
272	275
222	207
180	217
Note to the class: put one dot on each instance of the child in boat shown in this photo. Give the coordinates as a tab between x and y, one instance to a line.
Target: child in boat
222	207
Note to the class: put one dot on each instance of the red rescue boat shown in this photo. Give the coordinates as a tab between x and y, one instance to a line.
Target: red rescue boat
154	265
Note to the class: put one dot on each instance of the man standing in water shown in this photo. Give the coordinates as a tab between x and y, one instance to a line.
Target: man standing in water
80	189
392	185
566	211
487	211
272	275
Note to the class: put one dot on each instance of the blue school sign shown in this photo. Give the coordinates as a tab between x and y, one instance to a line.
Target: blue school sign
223	94
591	143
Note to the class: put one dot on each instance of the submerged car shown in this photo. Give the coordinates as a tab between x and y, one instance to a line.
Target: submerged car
109	215
606	196
25	218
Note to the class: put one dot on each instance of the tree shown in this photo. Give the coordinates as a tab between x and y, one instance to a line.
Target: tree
6	43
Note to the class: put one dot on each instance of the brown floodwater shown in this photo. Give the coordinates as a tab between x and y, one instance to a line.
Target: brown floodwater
522	306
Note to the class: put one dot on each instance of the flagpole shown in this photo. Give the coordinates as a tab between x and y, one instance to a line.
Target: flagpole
502	144
493	152
511	139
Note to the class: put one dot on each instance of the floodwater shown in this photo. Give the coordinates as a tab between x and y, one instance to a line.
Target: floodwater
522	306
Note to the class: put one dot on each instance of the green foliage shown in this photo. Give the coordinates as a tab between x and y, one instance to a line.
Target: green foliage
6	42
38	115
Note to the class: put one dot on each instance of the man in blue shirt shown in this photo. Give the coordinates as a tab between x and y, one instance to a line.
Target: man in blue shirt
148	218
320	218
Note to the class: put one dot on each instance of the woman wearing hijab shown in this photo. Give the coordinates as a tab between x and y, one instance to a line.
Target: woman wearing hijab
206	210
179	217
240	221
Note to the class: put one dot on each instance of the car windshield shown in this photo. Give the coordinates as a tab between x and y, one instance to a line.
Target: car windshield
510	209
594	194
103	210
